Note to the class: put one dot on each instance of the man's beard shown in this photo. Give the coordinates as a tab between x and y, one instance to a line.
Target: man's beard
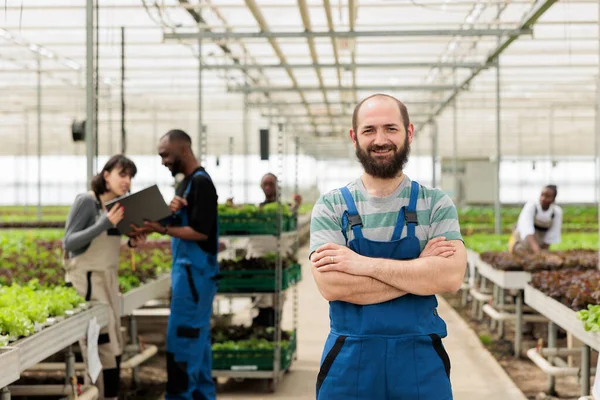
383	168
177	167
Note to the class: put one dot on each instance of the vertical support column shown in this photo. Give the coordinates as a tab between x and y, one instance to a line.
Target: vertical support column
4	394
278	268
585	370
501	304
26	154
231	166
497	209
70	365
598	133
455	141
110	121
297	244
89	90
246	133
201	150
518	323
123	133
133	332
39	138
434	132
551	345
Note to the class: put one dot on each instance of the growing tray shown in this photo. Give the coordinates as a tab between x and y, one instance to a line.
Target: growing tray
152	290
504	279
259	281
9	366
561	315
51	340
253	360
263	224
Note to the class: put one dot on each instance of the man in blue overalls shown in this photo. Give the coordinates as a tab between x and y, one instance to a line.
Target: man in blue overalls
195	238
382	247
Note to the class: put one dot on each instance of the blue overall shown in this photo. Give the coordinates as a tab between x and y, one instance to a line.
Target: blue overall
193	282
391	350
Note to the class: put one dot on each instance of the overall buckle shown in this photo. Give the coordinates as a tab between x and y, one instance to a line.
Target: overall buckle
411	217
354	220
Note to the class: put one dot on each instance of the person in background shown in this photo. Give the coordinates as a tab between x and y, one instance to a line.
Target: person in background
539	224
258	247
92	245
195	243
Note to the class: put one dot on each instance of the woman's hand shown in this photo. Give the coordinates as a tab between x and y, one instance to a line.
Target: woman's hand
116	214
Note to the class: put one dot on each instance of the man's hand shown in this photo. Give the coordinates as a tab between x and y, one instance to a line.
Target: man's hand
154	227
438	247
137	231
333	257
177	204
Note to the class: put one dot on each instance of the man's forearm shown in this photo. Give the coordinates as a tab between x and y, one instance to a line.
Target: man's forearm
186	233
422	276
355	289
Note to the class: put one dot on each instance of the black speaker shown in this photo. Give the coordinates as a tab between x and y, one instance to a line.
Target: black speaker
78	131
264	144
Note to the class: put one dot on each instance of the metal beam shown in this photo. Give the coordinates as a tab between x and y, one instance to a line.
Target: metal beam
320	103
332	116
426	88
528	22
349	34
89	72
262	23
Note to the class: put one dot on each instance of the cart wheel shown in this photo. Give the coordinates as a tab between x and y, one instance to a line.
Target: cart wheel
271	386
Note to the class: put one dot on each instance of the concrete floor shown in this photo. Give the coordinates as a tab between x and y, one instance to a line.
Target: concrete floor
475	373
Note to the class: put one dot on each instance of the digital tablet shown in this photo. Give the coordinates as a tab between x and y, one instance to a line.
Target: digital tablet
145	205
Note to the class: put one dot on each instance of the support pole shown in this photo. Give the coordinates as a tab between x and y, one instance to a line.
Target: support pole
4	394
123	133
585	370
455	142
598	133
89	90
97	83
231	166
497	209
39	138
133	331
518	323
434	132
26	153
200	122
551	345
246	149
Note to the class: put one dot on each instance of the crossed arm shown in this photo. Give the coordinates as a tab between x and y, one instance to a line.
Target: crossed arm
363	280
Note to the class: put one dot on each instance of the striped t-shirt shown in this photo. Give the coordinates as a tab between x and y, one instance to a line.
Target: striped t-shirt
436	215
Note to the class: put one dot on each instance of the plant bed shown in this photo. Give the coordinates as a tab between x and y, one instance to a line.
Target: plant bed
38	255
505	261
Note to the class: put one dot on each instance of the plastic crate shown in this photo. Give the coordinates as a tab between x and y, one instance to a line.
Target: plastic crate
260	281
253	360
260	224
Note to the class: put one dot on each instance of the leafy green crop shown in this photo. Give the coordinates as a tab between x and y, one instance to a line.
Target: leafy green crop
484	242
21	307
590	318
37	254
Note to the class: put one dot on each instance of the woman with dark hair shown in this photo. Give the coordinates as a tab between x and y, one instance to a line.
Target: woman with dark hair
539	224
92	245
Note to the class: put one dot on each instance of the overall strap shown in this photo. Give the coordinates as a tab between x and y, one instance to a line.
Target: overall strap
409	215
411	212
189	185
350	216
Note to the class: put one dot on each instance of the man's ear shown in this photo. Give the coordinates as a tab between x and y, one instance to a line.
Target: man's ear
353	137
